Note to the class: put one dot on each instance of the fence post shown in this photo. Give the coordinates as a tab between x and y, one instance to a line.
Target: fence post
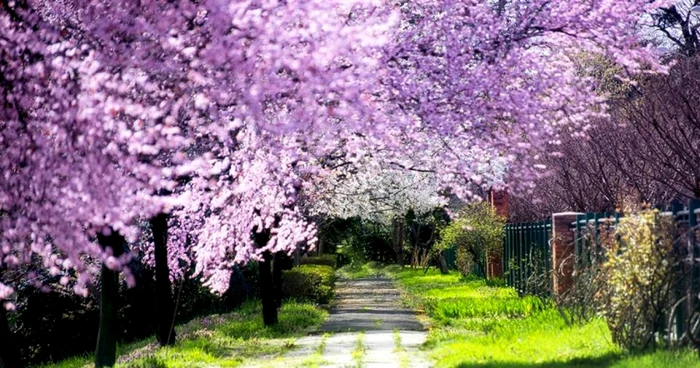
494	261
562	251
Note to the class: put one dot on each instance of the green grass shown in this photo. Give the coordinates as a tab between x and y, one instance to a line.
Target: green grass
476	324
359	351
225	340
358	271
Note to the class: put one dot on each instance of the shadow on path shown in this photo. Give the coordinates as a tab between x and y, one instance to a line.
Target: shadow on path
370	304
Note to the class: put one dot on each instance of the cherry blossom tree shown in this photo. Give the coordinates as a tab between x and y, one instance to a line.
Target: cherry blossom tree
498	79
100	110
108	105
375	193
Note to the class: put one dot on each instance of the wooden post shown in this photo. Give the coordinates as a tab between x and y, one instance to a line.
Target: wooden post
563	251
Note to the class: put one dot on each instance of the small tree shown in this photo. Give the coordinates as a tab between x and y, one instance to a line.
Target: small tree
476	232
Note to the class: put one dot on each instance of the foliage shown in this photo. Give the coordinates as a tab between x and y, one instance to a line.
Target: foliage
475	232
638	279
423	235
373	192
330	260
55	325
366	241
228	108
225	340
645	153
309	282
492	335
223	113
363	270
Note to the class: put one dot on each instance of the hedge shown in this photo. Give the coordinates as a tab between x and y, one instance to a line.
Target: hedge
324	259
310	282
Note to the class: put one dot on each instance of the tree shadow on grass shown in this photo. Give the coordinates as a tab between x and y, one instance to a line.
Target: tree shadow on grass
602	361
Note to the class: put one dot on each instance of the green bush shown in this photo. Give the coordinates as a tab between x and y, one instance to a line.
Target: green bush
476	232
311	282
324	260
638	280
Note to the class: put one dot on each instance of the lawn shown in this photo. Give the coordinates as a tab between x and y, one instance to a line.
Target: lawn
478	324
225	340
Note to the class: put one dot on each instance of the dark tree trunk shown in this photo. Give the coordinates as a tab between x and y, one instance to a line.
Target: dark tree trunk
106	352
320	246
165	332
9	355
277	267
443	264
398	240
297	256
267	292
281	262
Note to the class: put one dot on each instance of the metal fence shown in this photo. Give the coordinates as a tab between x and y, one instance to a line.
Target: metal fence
527	249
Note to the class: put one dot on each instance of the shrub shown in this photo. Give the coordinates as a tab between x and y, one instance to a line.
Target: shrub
476	232
58	324
637	280
315	283
324	260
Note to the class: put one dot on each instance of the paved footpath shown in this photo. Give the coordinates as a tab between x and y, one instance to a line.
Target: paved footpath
368	328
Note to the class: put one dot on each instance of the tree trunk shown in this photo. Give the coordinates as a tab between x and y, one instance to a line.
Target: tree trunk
297	257
281	262
267	291
320	246
443	264
277	266
398	240
165	332
9	355
106	352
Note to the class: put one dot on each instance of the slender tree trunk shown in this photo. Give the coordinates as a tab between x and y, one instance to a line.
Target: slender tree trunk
106	352
398	240
165	332
297	256
443	264
267	291
9	355
320	246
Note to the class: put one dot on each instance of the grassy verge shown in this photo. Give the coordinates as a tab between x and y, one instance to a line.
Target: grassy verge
370	269
226	340
478	325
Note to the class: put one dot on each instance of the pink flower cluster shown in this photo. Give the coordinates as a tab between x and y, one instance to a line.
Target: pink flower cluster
233	106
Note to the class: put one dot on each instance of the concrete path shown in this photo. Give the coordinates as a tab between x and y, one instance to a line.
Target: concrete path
368	328
372	304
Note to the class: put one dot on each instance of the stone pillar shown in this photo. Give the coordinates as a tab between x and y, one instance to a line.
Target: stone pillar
563	251
494	261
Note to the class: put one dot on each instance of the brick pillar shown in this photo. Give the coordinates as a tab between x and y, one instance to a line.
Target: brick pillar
499	202
494	261
494	265
563	251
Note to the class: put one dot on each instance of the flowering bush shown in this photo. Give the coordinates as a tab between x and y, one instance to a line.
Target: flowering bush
638	279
